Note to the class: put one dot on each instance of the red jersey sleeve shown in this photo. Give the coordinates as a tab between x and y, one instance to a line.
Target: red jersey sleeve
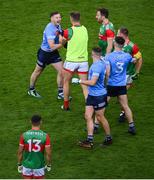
66	34
110	33
135	49
21	141
47	143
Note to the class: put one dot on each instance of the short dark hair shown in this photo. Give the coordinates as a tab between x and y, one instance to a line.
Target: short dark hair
75	16
54	13
36	119
120	41
124	31
97	50
104	12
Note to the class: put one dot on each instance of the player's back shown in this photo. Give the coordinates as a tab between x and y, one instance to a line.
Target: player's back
77	45
118	61
34	142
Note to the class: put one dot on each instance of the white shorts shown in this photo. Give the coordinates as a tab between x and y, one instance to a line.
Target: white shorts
34	173
129	79
80	67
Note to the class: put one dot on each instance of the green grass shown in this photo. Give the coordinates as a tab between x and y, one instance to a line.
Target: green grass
21	26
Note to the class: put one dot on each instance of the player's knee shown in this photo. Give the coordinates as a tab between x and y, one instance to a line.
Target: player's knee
87	116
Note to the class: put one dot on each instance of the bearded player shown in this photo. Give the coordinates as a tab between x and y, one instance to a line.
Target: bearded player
32	145
106	36
106	32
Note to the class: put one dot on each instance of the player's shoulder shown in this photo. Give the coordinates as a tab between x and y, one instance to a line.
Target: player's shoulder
109	26
83	27
131	43
50	26
127	55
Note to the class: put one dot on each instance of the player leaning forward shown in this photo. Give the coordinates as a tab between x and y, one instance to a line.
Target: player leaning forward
33	143
48	54
97	99
76	56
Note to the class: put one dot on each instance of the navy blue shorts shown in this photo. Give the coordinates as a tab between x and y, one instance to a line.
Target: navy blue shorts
113	91
46	58
98	102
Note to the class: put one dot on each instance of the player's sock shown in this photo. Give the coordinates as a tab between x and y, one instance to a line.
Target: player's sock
107	141
122	116
131	125
96	125
108	137
132	129
60	90
31	87
66	104
90	138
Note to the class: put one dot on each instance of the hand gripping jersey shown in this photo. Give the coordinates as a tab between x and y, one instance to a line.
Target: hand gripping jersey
34	143
106	31
77	37
132	49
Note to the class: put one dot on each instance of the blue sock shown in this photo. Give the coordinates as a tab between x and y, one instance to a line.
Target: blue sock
90	138
31	87
96	125
131	125
60	90
108	137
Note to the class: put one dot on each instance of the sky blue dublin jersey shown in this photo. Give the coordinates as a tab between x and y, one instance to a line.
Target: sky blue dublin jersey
118	62
98	68
51	32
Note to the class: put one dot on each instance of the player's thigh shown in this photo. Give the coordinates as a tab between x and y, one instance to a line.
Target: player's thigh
123	100
67	75
38	69
39	173
100	113
89	111
58	66
27	173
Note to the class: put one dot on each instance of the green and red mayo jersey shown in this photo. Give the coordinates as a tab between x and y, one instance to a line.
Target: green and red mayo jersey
106	31
132	49
68	33
34	143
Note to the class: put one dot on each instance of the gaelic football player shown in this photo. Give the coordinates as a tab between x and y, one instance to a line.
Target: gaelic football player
106	36
96	100
118	62
31	153
76	56
132	69
48	54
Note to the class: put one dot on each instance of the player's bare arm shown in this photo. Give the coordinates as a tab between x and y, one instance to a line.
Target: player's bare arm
48	154
110	45
91	82
53	45
20	153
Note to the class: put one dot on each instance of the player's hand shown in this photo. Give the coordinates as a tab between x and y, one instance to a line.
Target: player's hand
20	167
135	76
48	167
75	81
